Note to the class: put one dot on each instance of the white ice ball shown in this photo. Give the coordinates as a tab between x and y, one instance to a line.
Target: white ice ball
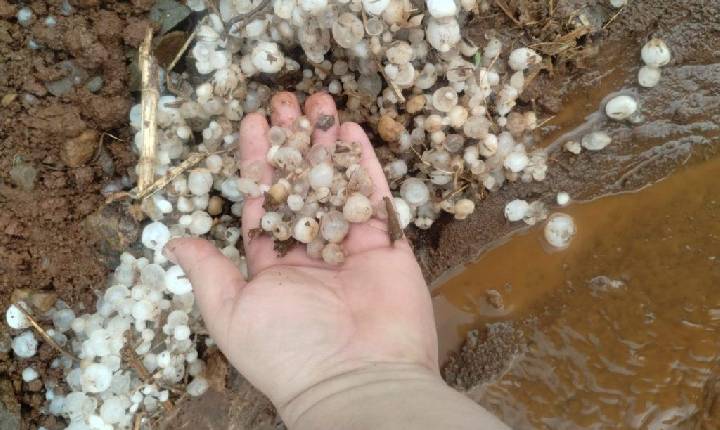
181	332
96	378
25	345
29	374
200	181
414	192
267	57
313	7
655	53
559	230
403	212
442	34
155	235
516	210
321	176
562	198
441	8
648	77
516	162
596	141
114	409
63	319
16	318
200	223
357	208
621	107
522	58
176	282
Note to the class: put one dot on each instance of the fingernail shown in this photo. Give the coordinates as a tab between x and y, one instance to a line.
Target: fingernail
168	252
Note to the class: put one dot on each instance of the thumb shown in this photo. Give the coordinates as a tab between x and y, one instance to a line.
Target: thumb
215	279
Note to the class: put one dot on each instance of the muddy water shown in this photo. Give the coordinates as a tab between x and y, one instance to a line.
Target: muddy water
626	321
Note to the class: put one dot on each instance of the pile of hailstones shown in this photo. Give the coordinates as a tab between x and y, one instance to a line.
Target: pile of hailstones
443	106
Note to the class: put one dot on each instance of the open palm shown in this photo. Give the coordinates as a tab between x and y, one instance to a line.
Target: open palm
299	321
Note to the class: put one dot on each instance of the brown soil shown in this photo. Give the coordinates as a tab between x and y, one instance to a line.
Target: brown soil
45	245
76	143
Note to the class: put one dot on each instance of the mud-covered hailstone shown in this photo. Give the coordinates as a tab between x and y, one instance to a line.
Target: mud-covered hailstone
522	58
155	235
305	230
16	318
516	210
441	8
443	33
25	345
197	386
463	208
267	57
648	77
95	378
621	107
655	53
357	208
596	141
559	230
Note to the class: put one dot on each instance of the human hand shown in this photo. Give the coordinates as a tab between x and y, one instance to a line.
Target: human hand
298	323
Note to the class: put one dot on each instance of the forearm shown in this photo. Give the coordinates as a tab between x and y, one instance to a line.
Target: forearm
386	397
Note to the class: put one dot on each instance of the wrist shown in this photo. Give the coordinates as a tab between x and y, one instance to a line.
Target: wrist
331	402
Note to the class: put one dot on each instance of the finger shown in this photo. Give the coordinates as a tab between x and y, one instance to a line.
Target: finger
353	132
374	233
318	107
215	279
285	109
253	149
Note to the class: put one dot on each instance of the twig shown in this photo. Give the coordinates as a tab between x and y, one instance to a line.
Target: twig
501	4
185	46
395	232
398	91
150	96
137	422
454	193
44	334
243	19
612	18
134	362
172	173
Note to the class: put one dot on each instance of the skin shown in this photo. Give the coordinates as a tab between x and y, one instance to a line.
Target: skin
318	339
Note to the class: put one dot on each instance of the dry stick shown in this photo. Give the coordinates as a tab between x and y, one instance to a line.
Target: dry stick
613	18
150	96
44	334
185	46
132	359
395	232
243	19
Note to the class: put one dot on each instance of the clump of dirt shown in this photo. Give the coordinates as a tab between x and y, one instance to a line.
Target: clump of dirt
484	356
63	138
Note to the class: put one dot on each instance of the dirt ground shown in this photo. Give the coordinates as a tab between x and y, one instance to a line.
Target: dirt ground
77	146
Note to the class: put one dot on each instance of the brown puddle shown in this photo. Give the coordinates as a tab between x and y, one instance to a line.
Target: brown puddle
626	320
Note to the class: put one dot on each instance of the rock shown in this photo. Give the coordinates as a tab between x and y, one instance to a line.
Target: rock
78	151
74	76
168	13
24	175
